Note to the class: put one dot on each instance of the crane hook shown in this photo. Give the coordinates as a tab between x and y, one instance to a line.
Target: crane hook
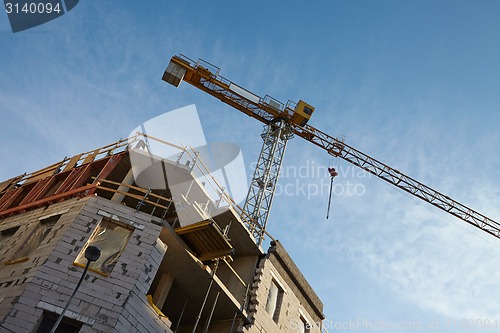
333	172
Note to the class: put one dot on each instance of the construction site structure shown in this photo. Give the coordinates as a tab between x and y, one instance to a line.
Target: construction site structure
171	260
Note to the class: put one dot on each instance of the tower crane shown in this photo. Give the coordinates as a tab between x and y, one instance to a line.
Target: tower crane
283	121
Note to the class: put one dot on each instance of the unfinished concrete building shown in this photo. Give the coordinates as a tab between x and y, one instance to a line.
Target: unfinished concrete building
186	265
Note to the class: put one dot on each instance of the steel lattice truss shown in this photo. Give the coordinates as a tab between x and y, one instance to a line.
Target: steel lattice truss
263	185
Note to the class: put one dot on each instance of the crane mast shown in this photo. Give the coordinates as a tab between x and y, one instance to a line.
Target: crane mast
265	178
282	121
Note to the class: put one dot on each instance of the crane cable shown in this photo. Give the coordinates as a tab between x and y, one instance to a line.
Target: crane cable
333	174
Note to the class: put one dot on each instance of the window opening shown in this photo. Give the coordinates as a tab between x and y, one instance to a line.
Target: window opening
34	240
304	326
111	238
5	235
67	325
274	300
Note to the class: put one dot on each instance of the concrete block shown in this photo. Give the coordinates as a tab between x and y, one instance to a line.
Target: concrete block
102	284
29	302
84	298
54	267
90	310
30	310
86	329
101	327
9	327
32	318
103	303
119	289
123	326
19	322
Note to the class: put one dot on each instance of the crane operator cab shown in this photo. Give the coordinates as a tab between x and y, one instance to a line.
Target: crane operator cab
302	113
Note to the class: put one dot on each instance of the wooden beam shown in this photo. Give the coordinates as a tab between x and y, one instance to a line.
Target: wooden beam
161	292
72	162
44	201
108	168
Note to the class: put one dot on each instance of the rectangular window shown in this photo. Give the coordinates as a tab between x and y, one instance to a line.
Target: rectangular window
274	300
111	238
67	325
304	326
34	240
5	235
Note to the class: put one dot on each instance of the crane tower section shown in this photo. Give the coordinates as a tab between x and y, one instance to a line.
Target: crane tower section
277	117
265	178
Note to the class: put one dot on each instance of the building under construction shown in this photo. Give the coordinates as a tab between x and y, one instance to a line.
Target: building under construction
173	259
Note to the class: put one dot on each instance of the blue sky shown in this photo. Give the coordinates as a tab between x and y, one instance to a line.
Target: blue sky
414	84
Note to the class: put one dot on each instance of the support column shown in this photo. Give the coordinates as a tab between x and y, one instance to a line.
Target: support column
161	292
128	180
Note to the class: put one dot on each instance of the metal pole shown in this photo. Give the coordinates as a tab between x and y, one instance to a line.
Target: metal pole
157	201
92	253
211	313
329	198
243	307
206	297
234	319
72	295
180	317
202	307
141	203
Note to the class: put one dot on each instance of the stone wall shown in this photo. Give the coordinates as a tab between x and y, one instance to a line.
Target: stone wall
44	282
291	306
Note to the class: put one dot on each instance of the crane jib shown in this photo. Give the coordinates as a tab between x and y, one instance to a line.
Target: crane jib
205	77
